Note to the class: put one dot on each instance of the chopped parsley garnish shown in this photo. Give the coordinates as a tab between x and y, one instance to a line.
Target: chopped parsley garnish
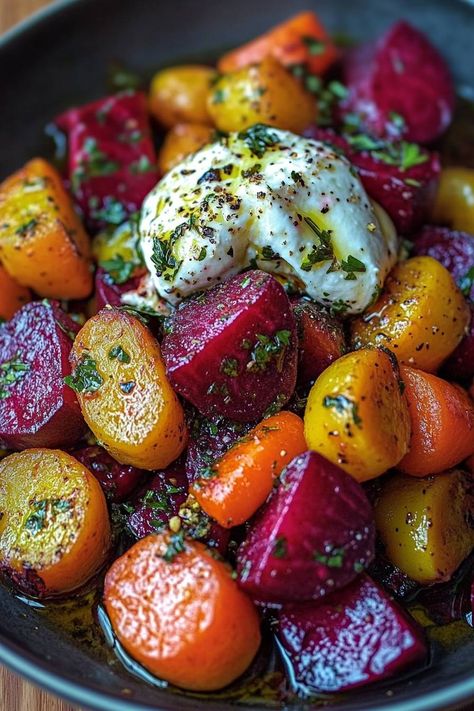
343	405
333	559
26	227
297	177
250	172
267	254
269	348
339	307
94	163
175	546
142	165
320	252
163	257
119	353
11	371
402	154
85	378
352	265
258	138
202	254
36	521
208	472
218	96
112	211
127	387
230	367
315	46
466	282
118	269
279	547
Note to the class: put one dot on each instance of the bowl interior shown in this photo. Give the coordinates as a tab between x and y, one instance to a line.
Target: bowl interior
61	59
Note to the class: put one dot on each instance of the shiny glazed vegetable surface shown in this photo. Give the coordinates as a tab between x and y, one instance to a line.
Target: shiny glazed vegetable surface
237	370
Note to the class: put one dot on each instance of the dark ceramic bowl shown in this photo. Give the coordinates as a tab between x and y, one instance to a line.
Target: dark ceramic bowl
59	58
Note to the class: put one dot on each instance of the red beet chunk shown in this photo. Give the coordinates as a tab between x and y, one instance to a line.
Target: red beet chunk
112	160
321	339
37	409
117	480
407	194
315	534
209	440
159	500
401	73
232	351
454	249
354	637
460	364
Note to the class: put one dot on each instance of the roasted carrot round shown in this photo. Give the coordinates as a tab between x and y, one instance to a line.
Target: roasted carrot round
12	295
442	417
241	480
177	611
54	524
300	40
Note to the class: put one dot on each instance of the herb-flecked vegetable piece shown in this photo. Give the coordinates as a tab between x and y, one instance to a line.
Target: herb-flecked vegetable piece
112	161
233	487
54	531
147	430
314	535
232	350
37	409
163	583
43	244
355	636
357	415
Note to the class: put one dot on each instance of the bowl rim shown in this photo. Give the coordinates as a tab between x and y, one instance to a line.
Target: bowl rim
39	672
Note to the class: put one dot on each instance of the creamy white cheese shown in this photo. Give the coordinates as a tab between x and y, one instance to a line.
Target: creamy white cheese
287	204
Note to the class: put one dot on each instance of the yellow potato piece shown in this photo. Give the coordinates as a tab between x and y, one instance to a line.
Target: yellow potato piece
180	141
54	524
356	415
127	400
424	524
421	316
454	204
179	94
261	93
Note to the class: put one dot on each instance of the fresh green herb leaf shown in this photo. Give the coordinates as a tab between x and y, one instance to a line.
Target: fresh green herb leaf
343	405
85	378
467	282
268	349
202	254
175	546
315	46
352	265
26	227
252	171
118	269
119	353
11	371
258	138
280	547
142	165
230	367
333	559
320	252
268	255
127	387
